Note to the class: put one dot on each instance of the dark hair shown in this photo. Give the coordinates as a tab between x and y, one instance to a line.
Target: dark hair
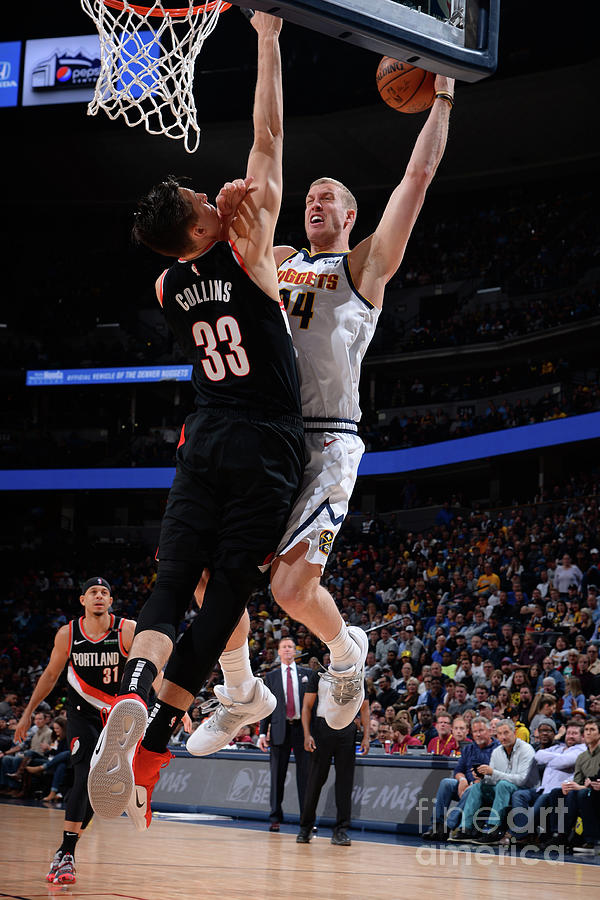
162	219
572	723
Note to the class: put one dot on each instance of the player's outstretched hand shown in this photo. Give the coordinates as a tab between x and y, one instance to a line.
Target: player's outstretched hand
22	729
230	196
442	83
263	23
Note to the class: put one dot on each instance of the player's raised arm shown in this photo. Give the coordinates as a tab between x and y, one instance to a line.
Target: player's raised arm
254	224
374	260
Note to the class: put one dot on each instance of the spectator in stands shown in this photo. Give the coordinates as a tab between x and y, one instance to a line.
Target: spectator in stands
488	581
524	705
572	664
444	744
511	766
573	697
496	680
507	668
521	731
455	788
502	701
411	698
56	760
462	701
424	730
434	696
413	644
519	679
383	734
464	674
485	678
566	574
372	667
8	704
402	740
17	757
543	707
558	654
385	643
594	662
531	652
581	793
558	760
387	695
549	670
460	733
481	695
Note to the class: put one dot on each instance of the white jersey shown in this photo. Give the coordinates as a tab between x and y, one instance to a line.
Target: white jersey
332	325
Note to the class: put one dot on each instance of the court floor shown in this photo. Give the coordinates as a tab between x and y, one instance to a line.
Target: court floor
177	859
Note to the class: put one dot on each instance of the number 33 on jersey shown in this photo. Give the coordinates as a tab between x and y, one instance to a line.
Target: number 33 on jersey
237	336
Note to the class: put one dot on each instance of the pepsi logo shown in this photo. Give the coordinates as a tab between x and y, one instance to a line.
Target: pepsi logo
63	73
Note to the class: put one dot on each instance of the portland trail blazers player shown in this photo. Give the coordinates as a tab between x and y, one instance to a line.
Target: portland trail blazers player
95	646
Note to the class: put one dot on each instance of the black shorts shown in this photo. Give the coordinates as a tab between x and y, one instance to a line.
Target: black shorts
84	725
236	478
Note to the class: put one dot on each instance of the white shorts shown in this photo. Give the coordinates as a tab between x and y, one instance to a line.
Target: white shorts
320	509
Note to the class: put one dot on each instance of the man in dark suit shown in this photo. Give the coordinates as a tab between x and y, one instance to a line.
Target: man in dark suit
288	683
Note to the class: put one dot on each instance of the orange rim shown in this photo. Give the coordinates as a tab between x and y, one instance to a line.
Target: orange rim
163	13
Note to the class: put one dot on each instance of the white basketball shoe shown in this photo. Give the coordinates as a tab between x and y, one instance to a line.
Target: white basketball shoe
341	694
230	715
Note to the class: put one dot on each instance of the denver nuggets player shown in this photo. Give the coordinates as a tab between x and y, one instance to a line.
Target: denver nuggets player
333	296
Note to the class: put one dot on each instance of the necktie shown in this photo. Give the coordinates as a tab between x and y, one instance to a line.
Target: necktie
290	706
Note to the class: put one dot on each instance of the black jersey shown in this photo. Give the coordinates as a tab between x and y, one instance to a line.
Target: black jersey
95	666
237	336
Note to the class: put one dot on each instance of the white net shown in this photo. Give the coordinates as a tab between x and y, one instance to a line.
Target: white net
147	58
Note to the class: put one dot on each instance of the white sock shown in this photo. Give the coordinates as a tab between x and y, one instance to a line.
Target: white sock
238	676
344	651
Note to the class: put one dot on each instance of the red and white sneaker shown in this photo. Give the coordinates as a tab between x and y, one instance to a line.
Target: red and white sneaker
110	782
146	770
65	874
54	866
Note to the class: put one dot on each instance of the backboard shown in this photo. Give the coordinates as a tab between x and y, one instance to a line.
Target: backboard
458	38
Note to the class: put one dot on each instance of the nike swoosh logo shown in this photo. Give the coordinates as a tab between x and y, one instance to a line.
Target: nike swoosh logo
138	804
327	443
75	643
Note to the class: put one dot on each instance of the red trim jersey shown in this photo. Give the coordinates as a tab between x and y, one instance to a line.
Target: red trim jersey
237	337
95	666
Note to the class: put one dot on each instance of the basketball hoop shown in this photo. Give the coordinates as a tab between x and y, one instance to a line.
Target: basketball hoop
147	58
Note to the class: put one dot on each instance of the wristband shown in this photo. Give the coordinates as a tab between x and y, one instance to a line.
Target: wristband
445	95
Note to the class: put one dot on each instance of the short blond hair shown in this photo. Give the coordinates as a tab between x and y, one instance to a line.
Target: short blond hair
347	197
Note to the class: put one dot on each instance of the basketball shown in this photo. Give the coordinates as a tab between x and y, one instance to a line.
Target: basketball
405	87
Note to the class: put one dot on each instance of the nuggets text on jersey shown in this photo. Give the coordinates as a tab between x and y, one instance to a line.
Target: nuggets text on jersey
322	281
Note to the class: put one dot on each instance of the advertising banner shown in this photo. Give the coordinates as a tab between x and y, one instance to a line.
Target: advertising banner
10	64
61	69
394	793
113	375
